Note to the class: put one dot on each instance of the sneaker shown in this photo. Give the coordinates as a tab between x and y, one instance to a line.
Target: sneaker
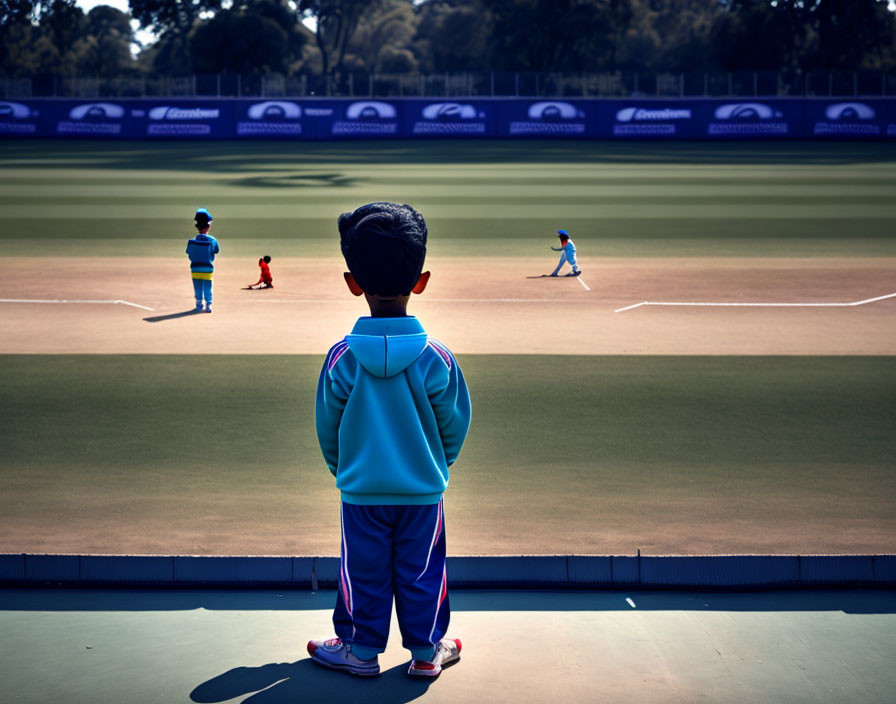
198	306
337	655
447	653
208	309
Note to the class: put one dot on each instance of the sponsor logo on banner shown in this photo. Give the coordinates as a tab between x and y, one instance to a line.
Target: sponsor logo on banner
368	117
744	119
848	119
551	117
93	118
450	118
177	117
649	121
13	116
272	117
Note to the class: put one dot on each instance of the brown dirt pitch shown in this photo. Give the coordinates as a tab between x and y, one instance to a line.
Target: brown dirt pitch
482	306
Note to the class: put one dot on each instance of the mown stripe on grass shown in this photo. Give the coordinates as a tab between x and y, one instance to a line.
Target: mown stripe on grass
582	447
491	211
596	199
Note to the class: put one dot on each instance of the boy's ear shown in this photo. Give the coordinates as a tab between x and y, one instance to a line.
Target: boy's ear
421	283
352	284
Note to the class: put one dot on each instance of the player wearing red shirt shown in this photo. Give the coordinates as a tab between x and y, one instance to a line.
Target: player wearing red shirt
265	280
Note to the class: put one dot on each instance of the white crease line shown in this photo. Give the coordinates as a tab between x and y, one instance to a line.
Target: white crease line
756	305
579	279
40	300
630	602
135	305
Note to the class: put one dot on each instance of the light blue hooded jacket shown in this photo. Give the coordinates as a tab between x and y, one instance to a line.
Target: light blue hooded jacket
392	413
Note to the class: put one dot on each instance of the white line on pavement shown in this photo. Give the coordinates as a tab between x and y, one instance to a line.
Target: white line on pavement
755	305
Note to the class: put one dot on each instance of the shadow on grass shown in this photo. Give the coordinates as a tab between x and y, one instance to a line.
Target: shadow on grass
238	157
304	681
297	180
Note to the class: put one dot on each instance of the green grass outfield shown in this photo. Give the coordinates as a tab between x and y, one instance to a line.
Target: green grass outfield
564	451
491	198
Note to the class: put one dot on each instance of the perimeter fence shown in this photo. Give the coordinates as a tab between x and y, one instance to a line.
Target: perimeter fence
619	84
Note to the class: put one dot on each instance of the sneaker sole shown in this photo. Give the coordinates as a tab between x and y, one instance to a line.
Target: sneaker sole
371	672
347	668
412	672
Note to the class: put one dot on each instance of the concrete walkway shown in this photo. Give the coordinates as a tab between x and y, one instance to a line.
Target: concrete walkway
146	646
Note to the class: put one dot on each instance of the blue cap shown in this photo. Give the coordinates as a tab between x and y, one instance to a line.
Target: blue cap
204	211
562	233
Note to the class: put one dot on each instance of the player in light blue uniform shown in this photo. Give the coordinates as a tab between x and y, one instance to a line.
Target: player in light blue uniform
202	250
568	250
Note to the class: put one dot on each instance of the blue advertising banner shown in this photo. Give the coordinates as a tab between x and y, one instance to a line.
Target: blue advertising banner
547	118
750	119
19	118
353	119
446	118
182	118
281	119
847	119
419	118
646	119
91	119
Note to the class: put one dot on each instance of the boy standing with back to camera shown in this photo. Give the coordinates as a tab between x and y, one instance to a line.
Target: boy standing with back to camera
392	413
202	250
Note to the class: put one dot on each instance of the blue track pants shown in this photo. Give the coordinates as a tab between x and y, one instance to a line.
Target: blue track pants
392	551
202	288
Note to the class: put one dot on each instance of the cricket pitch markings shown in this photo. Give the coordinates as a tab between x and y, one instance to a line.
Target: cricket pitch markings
755	305
39	300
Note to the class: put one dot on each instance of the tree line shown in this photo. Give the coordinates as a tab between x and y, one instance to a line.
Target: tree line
432	36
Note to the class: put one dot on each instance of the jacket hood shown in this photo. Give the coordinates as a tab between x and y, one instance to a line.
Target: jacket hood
386	346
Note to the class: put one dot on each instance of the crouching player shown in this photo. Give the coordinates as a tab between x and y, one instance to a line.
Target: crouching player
265	280
392	413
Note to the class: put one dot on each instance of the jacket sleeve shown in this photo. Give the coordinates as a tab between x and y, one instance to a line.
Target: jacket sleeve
332	394
450	401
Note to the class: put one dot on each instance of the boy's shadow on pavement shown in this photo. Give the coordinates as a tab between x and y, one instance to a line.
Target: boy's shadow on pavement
304	681
172	316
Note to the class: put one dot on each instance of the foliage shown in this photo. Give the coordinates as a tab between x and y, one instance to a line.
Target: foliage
105	48
336	21
246	38
452	35
406	36
382	42
171	16
38	37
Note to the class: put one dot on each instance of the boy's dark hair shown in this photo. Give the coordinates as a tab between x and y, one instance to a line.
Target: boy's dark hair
384	245
201	220
267	258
